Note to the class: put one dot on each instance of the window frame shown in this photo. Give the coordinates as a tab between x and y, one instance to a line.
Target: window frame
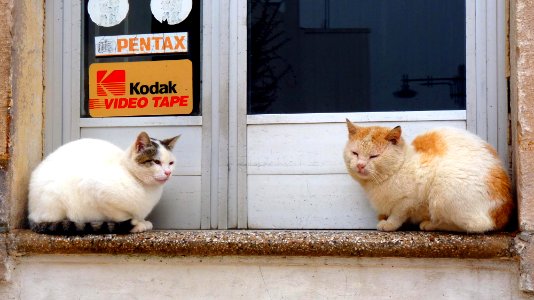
224	117
63	123
485	114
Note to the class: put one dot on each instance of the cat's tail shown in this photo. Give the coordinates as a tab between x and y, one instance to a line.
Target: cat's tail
67	227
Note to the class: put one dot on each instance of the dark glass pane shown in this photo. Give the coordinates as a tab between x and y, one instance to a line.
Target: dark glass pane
313	56
140	20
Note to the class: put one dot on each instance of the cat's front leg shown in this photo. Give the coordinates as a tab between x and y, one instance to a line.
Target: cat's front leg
140	225
388	225
394	221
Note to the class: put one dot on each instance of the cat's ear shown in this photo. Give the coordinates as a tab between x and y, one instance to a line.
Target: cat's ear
394	135
142	141
351	127
169	143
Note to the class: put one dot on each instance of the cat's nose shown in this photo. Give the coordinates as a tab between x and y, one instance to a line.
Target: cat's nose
360	166
167	173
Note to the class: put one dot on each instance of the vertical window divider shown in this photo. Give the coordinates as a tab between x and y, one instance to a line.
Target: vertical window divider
220	68
242	38
487	102
53	69
72	69
237	114
62	113
481	70
470	62
207	122
232	115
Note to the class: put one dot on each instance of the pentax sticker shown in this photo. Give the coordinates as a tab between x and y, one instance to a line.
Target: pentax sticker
173	42
141	88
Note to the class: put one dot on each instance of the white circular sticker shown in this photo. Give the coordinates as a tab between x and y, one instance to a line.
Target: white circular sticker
107	13
172	11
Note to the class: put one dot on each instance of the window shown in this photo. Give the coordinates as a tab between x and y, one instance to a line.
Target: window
273	81
356	56
313	63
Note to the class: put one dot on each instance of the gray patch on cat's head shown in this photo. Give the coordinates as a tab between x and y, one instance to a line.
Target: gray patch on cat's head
147	155
169	143
166	143
146	149
155	142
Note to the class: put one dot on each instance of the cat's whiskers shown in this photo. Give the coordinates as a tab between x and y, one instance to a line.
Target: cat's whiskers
376	177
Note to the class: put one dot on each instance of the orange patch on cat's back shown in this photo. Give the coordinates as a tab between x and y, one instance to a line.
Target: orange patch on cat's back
430	145
500	190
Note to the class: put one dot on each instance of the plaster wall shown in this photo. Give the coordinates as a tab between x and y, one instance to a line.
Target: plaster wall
522	127
100	277
26	136
5	80
6	22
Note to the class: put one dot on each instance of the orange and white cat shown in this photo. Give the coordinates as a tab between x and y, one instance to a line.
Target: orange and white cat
447	179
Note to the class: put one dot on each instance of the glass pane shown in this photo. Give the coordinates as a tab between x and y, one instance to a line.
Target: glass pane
140	20
318	56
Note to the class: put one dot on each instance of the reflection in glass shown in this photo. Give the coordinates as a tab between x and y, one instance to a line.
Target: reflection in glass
307	56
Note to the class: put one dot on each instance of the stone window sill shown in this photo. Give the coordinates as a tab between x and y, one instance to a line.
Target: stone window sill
270	243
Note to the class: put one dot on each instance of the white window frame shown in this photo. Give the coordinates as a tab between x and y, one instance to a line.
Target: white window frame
224	117
63	37
486	113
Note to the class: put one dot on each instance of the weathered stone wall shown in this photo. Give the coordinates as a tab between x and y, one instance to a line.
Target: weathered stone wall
26	137
5	82
522	96
21	94
6	22
121	277
522	105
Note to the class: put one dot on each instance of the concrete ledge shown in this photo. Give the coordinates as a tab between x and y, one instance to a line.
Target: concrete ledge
270	243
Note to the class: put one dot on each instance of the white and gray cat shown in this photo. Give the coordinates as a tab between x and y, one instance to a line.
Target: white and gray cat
93	186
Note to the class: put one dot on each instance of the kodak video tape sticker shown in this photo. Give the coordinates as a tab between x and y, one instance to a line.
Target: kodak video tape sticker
141	88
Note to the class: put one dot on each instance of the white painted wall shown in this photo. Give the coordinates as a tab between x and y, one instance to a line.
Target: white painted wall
107	277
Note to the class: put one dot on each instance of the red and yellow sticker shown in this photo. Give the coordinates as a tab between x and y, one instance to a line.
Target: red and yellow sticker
141	88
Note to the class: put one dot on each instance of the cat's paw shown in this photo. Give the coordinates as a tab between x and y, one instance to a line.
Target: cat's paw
427	226
386	225
141	226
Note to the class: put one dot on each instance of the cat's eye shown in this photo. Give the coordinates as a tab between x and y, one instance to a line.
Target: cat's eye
157	162
355	153
373	156
171	163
